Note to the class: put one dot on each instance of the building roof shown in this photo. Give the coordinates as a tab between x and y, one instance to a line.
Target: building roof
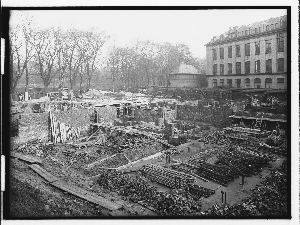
234	32
185	69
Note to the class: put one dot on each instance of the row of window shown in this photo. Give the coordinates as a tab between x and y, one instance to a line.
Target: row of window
254	30
257	82
268	49
280	67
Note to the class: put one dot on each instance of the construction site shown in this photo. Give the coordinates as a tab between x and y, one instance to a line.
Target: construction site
193	153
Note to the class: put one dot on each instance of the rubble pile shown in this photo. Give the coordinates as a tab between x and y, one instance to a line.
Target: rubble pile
256	114
147	115
138	189
207	114
217	137
92	93
138	151
218	174
198	192
247	163
270	198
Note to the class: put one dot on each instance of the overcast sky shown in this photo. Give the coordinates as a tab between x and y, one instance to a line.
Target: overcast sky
192	27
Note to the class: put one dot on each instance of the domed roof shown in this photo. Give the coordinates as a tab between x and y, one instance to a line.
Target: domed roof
186	69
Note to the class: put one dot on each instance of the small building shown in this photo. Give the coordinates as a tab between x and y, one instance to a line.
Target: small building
186	76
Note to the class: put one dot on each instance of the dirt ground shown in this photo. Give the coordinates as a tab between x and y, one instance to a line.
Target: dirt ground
32	196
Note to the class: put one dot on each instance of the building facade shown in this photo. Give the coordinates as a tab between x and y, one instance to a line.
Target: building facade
252	56
186	76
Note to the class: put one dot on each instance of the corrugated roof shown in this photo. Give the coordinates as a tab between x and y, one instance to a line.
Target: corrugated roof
186	69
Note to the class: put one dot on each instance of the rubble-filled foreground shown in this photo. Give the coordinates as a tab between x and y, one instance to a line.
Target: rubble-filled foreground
137	164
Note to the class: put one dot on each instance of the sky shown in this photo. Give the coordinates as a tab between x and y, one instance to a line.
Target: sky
194	28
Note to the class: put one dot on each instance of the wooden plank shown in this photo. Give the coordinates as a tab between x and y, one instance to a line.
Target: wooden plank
89	196
257	118
26	158
43	173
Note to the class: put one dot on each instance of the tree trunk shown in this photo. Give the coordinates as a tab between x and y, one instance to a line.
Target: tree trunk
27	79
80	85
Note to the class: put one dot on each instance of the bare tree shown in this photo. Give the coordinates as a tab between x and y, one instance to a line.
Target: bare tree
20	53
113	65
62	57
45	54
94	43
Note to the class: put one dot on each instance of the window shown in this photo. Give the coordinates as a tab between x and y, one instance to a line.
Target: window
256	30
247	82
268	83
222	69
257	48
229	83
238	51
257	66
214	54
280	65
280	83
280	43
267	27
247	49
215	69
269	65
229	68
246	32
230	52
276	25
222	82
257	83
259	29
280	80
221	53
238	83
238	68
242	33
247	67
214	82
272	26
268	47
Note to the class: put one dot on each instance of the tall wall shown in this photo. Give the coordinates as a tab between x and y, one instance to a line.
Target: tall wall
261	32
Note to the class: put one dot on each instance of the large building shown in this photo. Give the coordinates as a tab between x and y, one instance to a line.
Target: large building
186	76
252	56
